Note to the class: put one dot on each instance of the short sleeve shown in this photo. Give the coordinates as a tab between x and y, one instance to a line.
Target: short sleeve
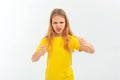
74	43
41	43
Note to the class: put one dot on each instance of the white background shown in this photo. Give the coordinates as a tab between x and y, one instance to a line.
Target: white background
23	23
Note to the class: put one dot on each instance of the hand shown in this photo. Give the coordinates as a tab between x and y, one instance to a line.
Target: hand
36	56
85	46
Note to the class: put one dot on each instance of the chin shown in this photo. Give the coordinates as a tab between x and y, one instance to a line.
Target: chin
58	33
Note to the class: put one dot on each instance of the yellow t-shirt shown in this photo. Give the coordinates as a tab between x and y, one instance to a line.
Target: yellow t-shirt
59	60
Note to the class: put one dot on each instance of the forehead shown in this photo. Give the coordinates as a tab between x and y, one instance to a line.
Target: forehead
57	17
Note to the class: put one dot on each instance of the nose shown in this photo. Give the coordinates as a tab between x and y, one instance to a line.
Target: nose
58	25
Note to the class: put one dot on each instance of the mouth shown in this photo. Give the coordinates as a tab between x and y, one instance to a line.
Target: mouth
58	29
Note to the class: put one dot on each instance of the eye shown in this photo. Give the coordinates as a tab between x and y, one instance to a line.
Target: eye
54	22
61	22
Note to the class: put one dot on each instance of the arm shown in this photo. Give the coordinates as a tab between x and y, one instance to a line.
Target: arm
85	46
36	56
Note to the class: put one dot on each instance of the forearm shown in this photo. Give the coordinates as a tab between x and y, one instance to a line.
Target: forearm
36	57
87	47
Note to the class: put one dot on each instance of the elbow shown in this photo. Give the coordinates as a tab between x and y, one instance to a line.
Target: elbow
92	51
88	50
33	59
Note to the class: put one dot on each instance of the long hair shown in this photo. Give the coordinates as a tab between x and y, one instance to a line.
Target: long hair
66	32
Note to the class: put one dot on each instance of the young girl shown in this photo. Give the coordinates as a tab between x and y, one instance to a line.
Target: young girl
60	42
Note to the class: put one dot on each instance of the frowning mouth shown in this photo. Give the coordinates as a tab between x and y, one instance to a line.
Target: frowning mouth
58	29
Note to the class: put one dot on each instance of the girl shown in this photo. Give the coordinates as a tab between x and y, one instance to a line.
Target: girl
60	42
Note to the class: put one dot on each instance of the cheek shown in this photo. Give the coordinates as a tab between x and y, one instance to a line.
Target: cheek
54	27
63	26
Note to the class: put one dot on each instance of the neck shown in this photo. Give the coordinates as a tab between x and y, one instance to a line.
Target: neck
58	35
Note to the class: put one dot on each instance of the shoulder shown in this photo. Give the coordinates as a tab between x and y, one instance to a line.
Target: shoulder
44	40
73	37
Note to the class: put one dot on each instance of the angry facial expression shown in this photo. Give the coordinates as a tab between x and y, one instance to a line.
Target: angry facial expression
58	24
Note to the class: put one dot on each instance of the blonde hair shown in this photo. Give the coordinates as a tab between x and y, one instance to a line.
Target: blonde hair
66	32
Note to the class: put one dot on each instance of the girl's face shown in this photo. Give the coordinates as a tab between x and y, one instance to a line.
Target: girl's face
58	24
